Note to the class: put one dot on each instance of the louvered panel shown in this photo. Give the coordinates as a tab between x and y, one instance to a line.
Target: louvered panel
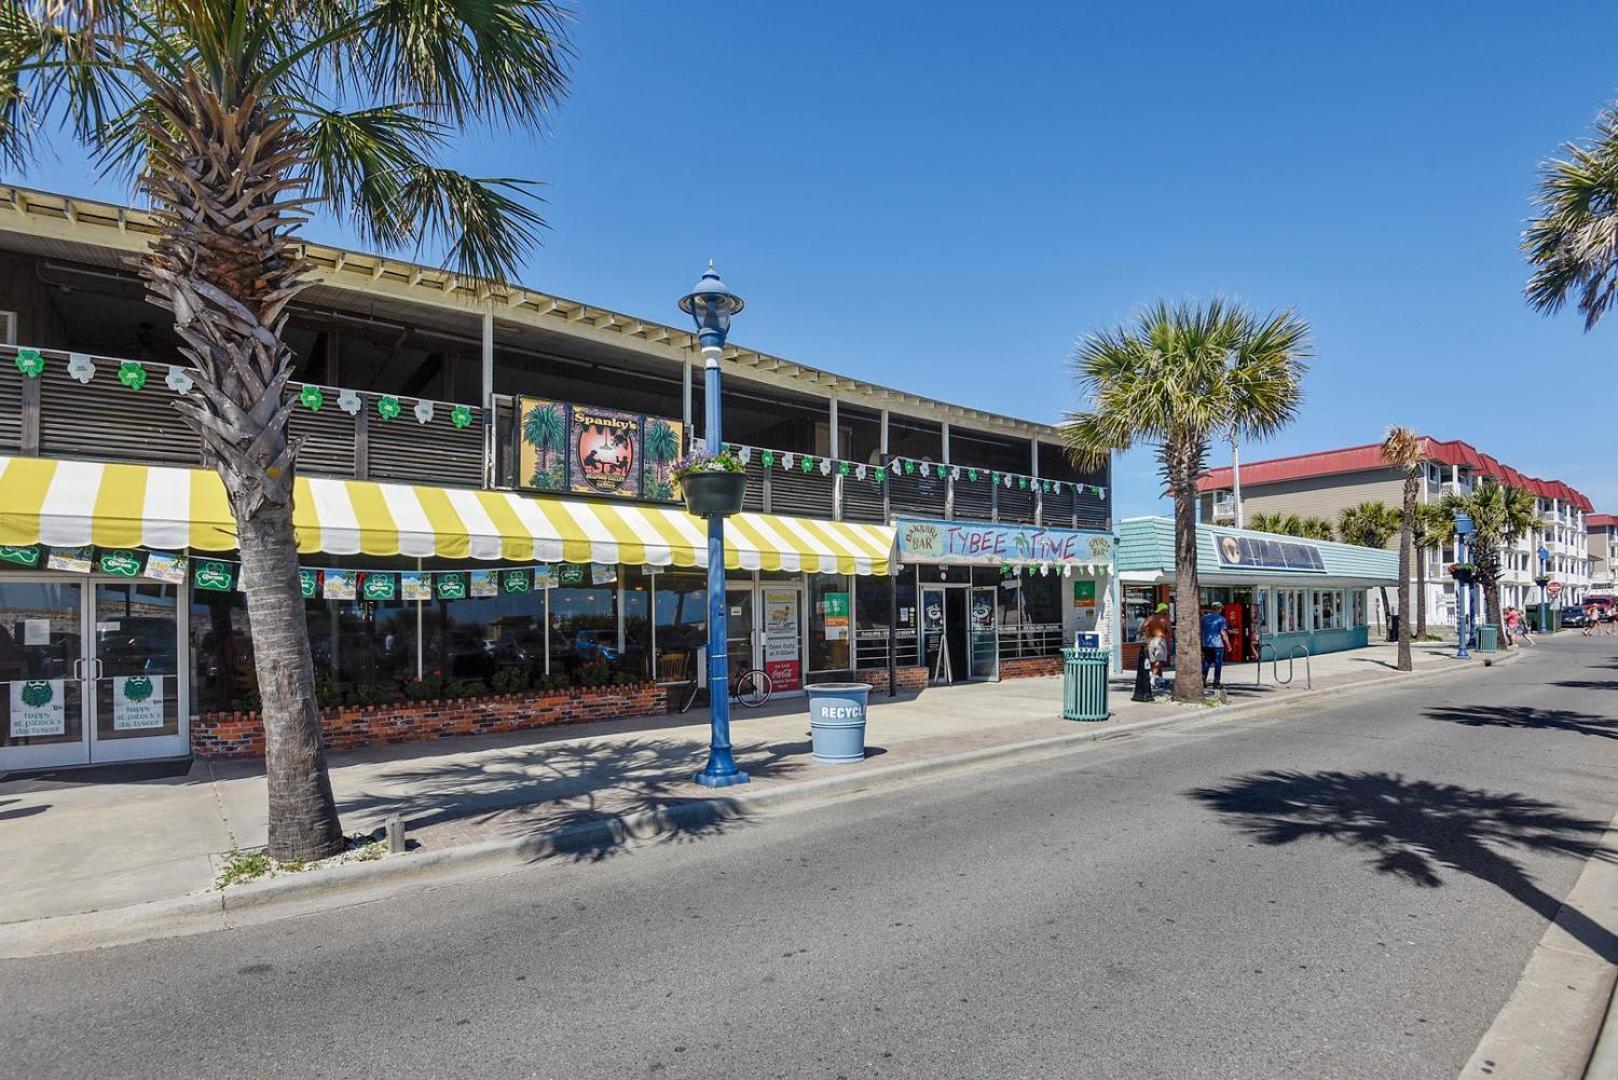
1056	511
916	495
328	436
793	491
1016	506
1093	511
10	404
505	443
436	452
753	501
106	419
974	501
862	499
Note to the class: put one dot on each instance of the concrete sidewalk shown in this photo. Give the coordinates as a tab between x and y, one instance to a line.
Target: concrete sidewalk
68	845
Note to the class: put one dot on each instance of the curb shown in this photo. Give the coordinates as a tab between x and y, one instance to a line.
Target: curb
359	883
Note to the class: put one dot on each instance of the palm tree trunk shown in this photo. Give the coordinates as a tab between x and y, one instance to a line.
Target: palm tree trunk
1406	537
226	264
1187	596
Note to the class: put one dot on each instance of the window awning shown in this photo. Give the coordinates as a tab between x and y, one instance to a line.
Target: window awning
72	503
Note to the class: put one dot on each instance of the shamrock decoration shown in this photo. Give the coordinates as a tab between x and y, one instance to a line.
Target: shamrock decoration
786	461
910	467
311	397
842	468
81	367
387	407
825	466
1022	482
859	472
972	475
808	463
880	476
349	402
460	416
769	459
745	454
955	473
424	412
179	380
30	362
132	374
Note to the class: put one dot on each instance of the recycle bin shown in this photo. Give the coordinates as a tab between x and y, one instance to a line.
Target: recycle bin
1488	638
1084	684
837	722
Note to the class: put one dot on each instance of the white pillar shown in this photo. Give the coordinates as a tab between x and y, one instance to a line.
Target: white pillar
685	397
946	443
884	443
489	474
1236	480
836	451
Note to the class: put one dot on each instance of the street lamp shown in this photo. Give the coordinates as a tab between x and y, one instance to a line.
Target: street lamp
1463	623
1543	580
710	304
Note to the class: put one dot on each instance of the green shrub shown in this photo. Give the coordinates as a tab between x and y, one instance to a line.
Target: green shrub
428	687
509	680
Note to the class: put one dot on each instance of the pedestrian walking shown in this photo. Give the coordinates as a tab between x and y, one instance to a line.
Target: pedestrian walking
1590	616
1215	640
1156	632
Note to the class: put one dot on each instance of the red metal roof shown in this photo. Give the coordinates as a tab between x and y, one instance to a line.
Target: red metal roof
1595	521
1369	456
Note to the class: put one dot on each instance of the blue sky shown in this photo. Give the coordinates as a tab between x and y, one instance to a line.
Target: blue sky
944	197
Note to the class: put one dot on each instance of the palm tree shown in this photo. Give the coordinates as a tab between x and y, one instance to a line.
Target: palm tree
662	447
1370	524
236	117
1177	378
1500	516
1572	241
1404	449
1316	528
1434	529
543	429
1270	523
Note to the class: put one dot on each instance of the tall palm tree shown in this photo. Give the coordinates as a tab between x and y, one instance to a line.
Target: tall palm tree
1434	529
1404	449
236	118
1177	378
1572	241
1500	516
1370	524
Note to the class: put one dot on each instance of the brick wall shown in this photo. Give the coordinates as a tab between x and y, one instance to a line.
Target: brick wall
911	678
1030	667
241	735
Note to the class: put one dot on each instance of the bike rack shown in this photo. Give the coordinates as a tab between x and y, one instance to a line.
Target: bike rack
1292	670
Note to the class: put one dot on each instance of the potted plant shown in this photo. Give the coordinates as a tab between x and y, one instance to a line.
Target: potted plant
713	484
1462	572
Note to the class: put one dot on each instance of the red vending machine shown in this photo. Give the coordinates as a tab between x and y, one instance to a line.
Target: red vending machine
1236	619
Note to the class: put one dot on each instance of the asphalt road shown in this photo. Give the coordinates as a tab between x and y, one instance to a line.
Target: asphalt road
1347	893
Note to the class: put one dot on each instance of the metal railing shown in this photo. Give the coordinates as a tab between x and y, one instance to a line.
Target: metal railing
871	648
1030	641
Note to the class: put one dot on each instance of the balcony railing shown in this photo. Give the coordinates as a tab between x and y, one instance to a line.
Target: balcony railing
368	435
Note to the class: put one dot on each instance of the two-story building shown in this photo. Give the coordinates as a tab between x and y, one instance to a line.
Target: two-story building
1326	482
484	508
1601	538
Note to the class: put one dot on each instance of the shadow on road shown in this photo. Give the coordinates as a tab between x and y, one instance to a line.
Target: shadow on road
1528	717
1588	684
1412	829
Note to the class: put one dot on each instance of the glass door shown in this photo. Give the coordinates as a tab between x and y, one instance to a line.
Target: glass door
42	665
739	637
985	643
932	634
139	699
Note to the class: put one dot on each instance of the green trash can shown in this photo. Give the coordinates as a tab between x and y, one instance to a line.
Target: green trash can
1488	637
1084	684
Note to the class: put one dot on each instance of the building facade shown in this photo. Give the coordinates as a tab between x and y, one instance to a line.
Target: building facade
1325	483
1601	538
484	508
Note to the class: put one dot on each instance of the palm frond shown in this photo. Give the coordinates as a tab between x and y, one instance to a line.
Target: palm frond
1572	241
484	224
1402	448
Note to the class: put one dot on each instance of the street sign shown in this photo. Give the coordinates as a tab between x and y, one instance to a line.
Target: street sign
1554	588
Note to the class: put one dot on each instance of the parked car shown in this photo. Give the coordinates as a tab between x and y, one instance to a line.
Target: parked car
1573	615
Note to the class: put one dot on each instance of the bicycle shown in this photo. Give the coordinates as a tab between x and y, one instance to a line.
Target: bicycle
751	687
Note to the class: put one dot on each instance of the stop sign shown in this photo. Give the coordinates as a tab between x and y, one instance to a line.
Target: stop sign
1554	588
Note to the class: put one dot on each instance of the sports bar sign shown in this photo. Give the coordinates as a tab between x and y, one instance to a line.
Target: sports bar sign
566	446
970	543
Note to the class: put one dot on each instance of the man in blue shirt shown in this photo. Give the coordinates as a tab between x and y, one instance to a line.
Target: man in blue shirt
1215	638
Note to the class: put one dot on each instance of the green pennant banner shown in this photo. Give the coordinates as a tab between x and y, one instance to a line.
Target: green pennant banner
571	574
379	585
450	585
213	575
25	555
120	562
308	582
516	581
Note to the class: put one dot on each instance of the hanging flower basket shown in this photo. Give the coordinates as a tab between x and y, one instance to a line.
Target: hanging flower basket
1462	572
713	484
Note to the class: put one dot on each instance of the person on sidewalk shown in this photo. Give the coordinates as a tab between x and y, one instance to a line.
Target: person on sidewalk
1517	628
1156	632
1215	640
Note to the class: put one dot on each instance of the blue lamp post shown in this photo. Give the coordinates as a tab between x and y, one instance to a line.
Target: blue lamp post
1463	621
710	304
1543	580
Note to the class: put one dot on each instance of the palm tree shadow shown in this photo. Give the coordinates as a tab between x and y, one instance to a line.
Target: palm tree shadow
585	800
1528	717
1414	829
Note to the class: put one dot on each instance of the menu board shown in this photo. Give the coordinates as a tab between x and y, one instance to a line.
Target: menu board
783	644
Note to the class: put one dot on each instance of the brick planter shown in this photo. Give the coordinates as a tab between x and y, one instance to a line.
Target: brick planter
241	734
1030	667
912	678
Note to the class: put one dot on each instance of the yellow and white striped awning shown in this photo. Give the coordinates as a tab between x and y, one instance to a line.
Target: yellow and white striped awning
72	503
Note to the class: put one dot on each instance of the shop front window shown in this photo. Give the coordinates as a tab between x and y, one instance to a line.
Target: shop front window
682	622
1291	616
637	618
584	628
830	623
1359	607
1139	601
872	606
1266	617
